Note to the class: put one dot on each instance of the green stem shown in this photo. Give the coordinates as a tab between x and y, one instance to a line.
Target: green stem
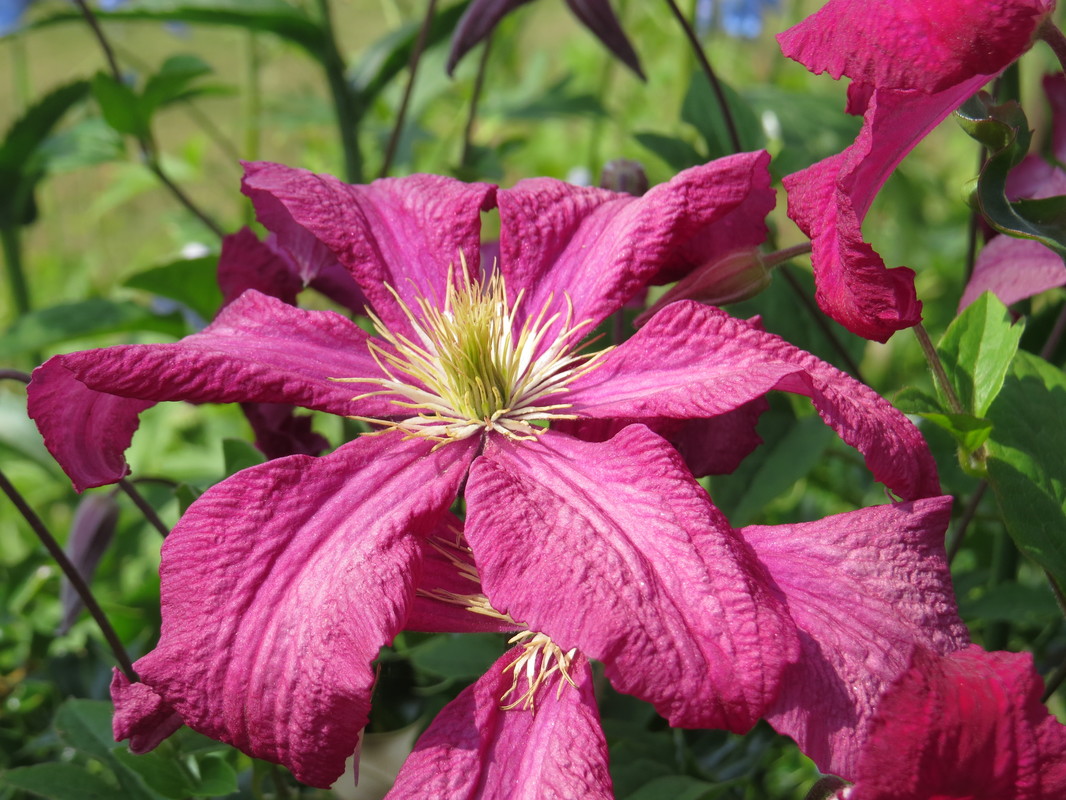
345	103
16	278
939	375
72	574
412	73
712	78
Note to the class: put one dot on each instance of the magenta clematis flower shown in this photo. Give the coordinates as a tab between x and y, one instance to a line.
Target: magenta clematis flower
1016	269
483	16
911	63
281	583
968	726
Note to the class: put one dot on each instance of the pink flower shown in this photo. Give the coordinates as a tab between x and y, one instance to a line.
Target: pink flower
912	63
1016	269
968	726
281	583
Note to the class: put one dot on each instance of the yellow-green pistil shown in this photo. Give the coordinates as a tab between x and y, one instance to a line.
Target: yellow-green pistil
468	370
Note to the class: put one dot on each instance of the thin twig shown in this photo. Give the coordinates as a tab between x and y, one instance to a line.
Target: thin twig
820	321
14	375
145	507
147	148
72	574
723	104
412	72
479	82
1054	38
968	514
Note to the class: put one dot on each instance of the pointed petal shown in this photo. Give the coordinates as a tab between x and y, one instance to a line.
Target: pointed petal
613	548
1013	270
86	431
599	247
478	21
968	725
864	588
475	750
258	349
247	263
279	586
597	16
141	715
914	44
693	361
398	232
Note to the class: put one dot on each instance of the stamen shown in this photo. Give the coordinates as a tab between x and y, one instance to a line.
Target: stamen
540	659
467	370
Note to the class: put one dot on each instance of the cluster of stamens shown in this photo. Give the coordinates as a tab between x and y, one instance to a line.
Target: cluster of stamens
465	369
540	659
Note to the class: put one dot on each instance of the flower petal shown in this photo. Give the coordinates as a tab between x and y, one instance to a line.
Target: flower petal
1013	270
478	21
914	44
864	588
475	750
694	361
968	725
613	548
141	715
247	263
599	247
597	16
402	233
258	349
279	586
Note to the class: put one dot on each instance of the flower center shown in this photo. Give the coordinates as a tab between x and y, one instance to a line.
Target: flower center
541	658
468	367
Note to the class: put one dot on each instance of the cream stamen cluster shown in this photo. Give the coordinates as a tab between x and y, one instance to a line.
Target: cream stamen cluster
541	658
466	368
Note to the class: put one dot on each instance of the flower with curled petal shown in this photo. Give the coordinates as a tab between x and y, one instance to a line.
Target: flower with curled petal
912	62
280	584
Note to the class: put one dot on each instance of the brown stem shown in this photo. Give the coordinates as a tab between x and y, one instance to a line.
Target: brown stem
723	104
941	377
968	514
1054	38
14	375
479	82
412	72
145	507
778	257
72	574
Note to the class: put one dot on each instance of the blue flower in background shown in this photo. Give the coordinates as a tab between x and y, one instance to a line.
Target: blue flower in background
739	18
11	14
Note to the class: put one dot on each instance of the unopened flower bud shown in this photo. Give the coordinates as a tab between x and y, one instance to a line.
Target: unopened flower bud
738	276
624	175
90	535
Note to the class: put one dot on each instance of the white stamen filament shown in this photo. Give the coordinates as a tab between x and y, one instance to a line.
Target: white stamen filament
466	370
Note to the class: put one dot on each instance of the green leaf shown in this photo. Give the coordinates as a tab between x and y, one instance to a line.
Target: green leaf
701	109
1025	462
1013	602
217	777
120	106
23	160
239	454
186	495
676	787
192	282
172	81
1004	130
969	431
85	725
274	16
61	781
556	101
160	772
464	657
387	57
677	153
42	329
